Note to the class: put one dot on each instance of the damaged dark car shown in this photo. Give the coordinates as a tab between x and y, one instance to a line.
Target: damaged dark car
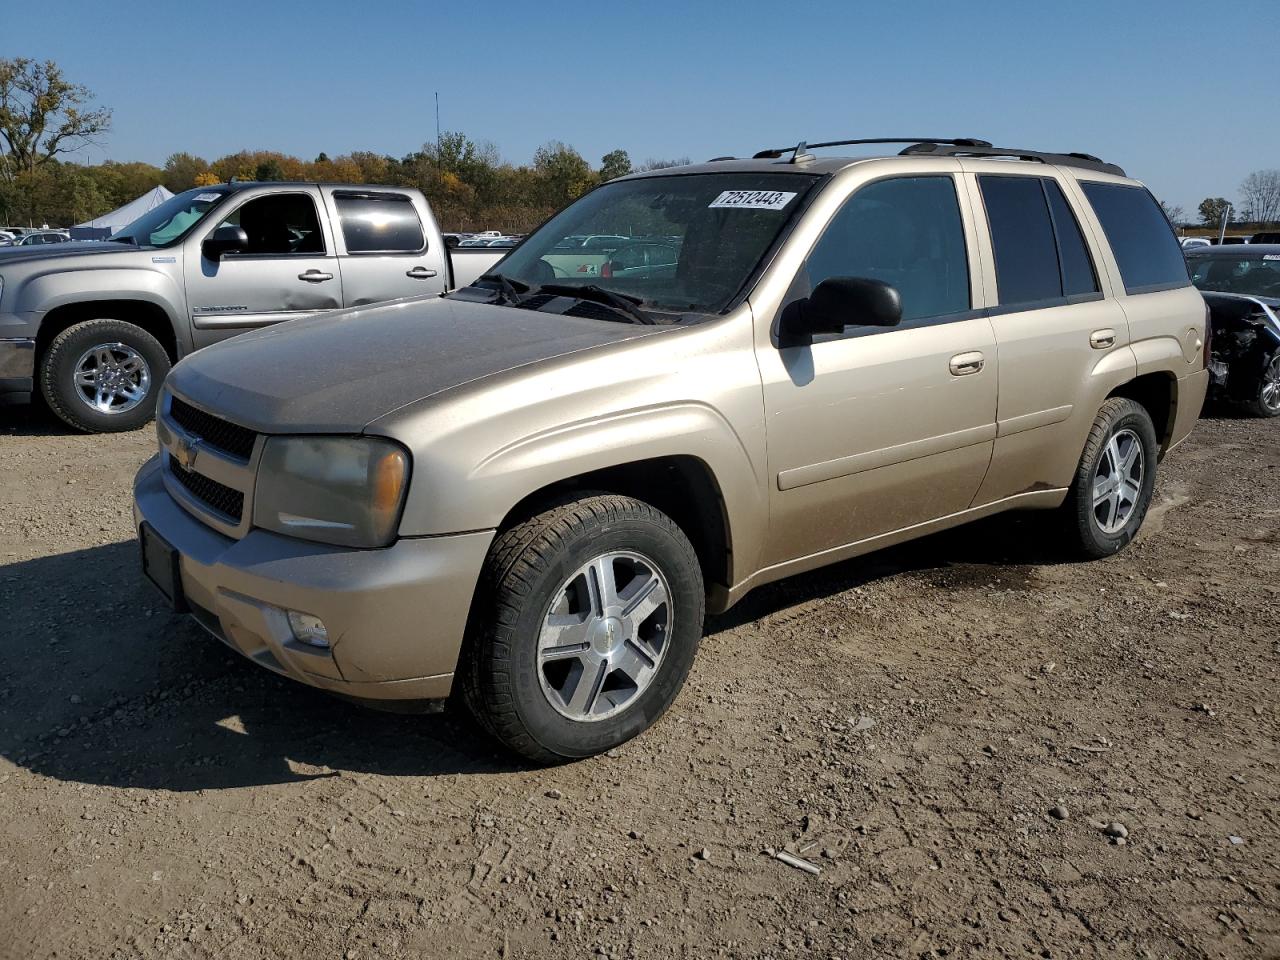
1242	287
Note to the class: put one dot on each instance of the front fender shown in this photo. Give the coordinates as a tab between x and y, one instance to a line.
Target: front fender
41	294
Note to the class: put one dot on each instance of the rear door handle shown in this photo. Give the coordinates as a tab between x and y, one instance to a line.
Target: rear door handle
420	273
315	276
1101	339
964	364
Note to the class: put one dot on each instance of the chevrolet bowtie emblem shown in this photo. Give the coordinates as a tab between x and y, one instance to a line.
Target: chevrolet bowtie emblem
185	452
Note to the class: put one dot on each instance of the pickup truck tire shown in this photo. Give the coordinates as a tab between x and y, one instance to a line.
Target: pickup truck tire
557	666
127	362
1114	482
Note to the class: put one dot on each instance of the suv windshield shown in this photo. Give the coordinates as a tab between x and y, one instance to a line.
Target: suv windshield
678	243
1256	275
173	219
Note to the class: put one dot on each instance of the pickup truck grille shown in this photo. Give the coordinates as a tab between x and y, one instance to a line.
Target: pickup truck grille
216	432
214	495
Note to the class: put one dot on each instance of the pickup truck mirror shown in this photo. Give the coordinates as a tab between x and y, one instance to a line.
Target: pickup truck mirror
840	302
228	238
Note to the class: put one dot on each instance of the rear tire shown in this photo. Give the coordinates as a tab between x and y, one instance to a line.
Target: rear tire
1114	481
559	663
103	376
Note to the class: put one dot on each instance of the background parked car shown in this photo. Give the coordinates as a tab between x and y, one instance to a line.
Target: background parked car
1242	289
44	237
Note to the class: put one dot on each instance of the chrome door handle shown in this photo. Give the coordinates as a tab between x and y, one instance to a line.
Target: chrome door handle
315	276
1101	339
963	364
420	273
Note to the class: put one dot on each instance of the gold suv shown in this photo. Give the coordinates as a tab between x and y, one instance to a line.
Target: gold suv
528	492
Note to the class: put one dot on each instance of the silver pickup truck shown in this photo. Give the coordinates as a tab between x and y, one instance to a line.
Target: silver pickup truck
98	325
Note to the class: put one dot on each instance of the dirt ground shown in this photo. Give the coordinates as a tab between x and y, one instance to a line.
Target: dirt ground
907	722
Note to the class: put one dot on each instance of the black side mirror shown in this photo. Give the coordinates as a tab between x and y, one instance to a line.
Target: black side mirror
840	302
228	238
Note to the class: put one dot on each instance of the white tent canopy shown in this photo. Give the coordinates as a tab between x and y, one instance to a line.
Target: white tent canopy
110	223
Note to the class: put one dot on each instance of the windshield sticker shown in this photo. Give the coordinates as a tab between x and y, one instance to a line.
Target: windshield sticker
752	200
1271	256
206	197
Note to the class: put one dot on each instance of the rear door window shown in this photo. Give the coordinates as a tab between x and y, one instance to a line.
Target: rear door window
379	223
1140	236
1022	239
907	232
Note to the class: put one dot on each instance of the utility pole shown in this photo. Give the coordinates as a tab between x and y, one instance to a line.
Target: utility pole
437	124
1226	216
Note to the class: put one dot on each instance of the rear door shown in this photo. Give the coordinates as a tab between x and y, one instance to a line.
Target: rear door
384	247
289	270
1055	328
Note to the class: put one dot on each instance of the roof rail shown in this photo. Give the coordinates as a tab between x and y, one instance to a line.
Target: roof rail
798	151
939	148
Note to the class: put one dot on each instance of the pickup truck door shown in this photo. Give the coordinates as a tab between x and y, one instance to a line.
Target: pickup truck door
387	250
882	428
289	269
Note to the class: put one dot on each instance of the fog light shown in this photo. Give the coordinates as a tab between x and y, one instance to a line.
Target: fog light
308	629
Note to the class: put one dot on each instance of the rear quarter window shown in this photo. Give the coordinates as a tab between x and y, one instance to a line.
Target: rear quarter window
385	223
1140	236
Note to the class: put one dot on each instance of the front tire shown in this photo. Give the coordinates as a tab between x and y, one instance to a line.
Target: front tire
103	376
1114	481
587	620
1264	398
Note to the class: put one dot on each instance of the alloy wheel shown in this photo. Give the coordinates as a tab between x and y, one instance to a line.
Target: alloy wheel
1117	481
112	378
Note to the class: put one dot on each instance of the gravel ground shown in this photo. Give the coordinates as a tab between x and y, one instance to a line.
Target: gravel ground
980	750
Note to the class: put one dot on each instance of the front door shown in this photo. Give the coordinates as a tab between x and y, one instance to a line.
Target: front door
882	428
289	269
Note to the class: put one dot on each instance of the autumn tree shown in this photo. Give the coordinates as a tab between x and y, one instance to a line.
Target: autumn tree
182	169
1260	193
564	174
42	115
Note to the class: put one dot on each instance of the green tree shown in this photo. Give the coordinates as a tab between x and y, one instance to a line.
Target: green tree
268	169
42	115
564	174
181	170
616	163
1212	210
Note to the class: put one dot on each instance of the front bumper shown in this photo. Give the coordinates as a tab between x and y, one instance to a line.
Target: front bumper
395	616
17	364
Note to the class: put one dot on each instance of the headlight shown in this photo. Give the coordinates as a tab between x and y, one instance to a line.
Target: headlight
343	490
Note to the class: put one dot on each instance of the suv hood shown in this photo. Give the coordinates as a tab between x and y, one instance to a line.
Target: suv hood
338	372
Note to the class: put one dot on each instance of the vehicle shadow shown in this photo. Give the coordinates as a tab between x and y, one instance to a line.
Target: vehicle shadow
999	550
100	683
32	419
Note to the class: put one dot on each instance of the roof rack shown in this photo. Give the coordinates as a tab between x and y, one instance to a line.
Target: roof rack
941	148
798	151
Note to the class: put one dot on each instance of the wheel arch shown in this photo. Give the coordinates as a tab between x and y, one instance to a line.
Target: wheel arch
1157	393
684	487
144	314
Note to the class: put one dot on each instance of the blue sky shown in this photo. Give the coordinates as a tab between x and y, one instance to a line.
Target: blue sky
1176	91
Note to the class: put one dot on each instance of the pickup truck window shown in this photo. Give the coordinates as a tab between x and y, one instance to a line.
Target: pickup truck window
279	224
379	223
172	220
907	232
1141	238
682	243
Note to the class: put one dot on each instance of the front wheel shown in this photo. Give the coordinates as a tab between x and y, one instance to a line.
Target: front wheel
1114	481
103	376
1264	398
587	620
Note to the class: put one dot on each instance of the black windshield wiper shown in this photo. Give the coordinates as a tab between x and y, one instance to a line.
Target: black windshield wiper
619	301
509	291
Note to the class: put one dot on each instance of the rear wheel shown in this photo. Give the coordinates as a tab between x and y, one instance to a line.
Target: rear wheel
587	622
1114	481
103	376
